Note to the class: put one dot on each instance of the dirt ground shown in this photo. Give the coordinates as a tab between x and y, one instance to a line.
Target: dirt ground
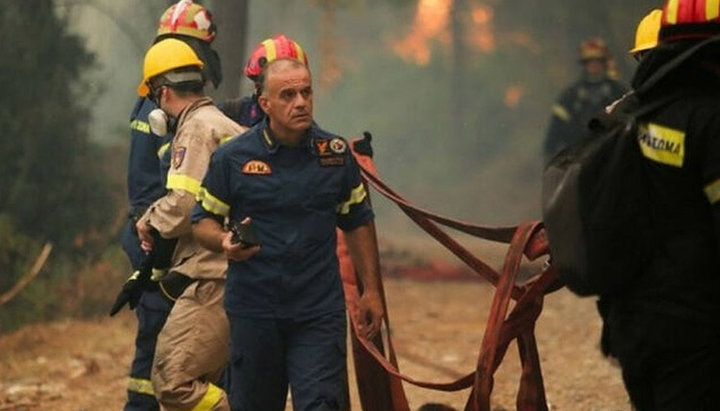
437	326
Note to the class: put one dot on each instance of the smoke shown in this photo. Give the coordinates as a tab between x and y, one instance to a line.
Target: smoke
389	67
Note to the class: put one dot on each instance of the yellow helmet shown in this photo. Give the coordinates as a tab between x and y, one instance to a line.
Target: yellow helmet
165	56
594	48
646	36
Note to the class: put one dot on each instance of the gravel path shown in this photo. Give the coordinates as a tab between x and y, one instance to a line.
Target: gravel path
437	326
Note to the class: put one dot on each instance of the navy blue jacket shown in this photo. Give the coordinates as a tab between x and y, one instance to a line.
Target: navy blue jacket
296	197
145	181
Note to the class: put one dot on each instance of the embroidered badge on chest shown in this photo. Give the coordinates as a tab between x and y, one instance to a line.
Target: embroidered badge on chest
178	155
256	167
338	146
321	146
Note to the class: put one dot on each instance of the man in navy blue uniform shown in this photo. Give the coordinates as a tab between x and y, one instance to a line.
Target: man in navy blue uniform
293	183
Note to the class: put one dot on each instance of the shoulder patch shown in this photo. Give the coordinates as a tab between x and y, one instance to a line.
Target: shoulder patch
662	144
338	145
178	155
256	167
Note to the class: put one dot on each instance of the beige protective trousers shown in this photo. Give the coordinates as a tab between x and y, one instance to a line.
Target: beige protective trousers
192	350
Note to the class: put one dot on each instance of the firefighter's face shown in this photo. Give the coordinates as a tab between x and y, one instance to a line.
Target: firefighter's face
287	98
595	67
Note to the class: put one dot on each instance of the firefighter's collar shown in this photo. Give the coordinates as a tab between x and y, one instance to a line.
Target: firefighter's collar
204	101
270	141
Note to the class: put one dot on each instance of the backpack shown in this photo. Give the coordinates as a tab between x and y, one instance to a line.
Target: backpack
595	198
595	203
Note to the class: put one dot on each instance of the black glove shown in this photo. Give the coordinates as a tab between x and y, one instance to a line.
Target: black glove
130	294
362	146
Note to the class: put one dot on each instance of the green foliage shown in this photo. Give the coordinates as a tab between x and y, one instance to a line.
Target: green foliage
49	171
51	175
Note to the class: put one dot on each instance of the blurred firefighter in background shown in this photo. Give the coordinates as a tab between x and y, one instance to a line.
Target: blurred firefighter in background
146	179
594	91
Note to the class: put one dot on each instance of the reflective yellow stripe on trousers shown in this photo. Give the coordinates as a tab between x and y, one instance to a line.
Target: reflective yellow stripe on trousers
210	399
141	386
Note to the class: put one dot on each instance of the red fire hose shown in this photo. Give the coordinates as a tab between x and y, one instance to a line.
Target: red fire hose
379	378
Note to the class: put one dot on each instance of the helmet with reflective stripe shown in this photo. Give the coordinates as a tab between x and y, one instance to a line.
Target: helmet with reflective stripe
166	56
646	35
594	48
276	47
689	20
188	19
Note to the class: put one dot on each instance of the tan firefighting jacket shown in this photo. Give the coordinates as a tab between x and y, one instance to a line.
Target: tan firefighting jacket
201	128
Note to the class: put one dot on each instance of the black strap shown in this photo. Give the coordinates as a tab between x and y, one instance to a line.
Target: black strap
673	64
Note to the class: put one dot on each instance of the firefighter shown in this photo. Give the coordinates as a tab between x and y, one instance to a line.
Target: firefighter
191	349
193	24
295	183
665	328
576	105
646	34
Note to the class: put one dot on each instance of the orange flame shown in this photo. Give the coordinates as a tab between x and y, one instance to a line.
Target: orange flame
431	20
480	32
514	95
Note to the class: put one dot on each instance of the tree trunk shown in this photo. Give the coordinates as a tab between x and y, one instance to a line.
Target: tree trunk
230	16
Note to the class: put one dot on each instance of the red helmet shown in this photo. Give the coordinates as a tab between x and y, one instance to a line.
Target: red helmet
689	20
276	47
594	48
189	19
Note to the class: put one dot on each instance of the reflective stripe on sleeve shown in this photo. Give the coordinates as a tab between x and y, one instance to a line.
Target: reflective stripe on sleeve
212	204
560	112
140	386
182	182
357	195
163	148
207	402
712	191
